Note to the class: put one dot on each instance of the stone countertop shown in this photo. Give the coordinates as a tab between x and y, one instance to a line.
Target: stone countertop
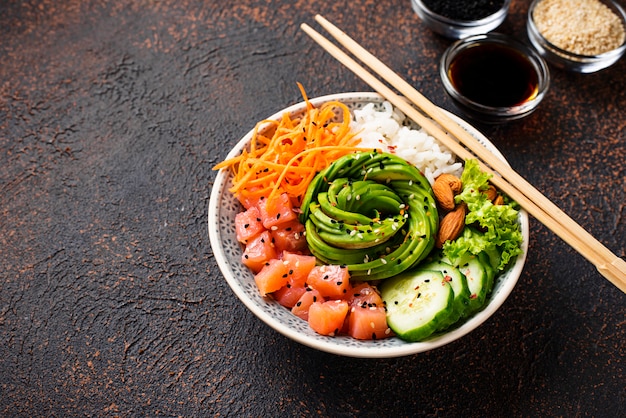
112	115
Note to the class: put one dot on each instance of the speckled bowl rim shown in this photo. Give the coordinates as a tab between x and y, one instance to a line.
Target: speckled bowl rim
227	251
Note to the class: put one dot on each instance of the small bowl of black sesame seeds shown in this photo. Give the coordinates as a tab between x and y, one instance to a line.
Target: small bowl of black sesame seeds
583	36
457	19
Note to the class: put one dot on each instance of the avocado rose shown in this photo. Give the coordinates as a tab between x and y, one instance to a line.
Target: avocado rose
373	212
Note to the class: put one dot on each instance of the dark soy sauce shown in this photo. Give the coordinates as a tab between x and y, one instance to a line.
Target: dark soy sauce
494	75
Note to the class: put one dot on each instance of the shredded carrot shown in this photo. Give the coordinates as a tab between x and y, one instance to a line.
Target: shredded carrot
299	147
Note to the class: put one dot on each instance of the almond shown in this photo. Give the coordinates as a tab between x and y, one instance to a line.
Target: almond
491	193
451	226
443	195
452	181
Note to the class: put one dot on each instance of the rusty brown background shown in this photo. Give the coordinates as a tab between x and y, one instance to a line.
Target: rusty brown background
112	114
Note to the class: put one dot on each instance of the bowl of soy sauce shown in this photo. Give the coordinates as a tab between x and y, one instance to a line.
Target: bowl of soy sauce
494	78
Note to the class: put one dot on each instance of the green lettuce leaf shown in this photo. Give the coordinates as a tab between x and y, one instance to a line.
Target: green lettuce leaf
494	227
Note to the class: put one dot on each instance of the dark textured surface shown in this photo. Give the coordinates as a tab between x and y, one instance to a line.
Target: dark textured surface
111	304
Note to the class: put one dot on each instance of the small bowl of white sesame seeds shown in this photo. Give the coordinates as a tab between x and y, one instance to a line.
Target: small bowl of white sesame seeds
583	36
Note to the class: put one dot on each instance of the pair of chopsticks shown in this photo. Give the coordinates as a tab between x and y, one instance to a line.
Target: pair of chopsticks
465	146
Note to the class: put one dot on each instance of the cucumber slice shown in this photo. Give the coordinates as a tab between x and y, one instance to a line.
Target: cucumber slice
417	303
458	282
477	281
485	260
494	257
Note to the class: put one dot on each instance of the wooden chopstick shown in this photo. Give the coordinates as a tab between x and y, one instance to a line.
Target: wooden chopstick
598	254
434	121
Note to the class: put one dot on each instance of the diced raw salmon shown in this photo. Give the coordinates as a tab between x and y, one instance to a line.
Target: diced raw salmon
299	267
368	323
289	236
301	308
259	251
278	211
248	224
327	318
273	276
332	281
364	295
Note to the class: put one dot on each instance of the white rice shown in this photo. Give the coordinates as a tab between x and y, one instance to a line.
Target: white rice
384	129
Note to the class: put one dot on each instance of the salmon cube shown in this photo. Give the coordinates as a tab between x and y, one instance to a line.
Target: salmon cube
248	224
259	251
327	318
273	276
364	295
289	236
299	268
368	323
248	197
332	281
276	212
301	308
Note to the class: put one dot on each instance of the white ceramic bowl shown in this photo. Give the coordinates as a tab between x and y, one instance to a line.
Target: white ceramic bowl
223	207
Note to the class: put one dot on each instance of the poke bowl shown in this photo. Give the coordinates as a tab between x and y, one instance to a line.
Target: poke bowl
228	251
